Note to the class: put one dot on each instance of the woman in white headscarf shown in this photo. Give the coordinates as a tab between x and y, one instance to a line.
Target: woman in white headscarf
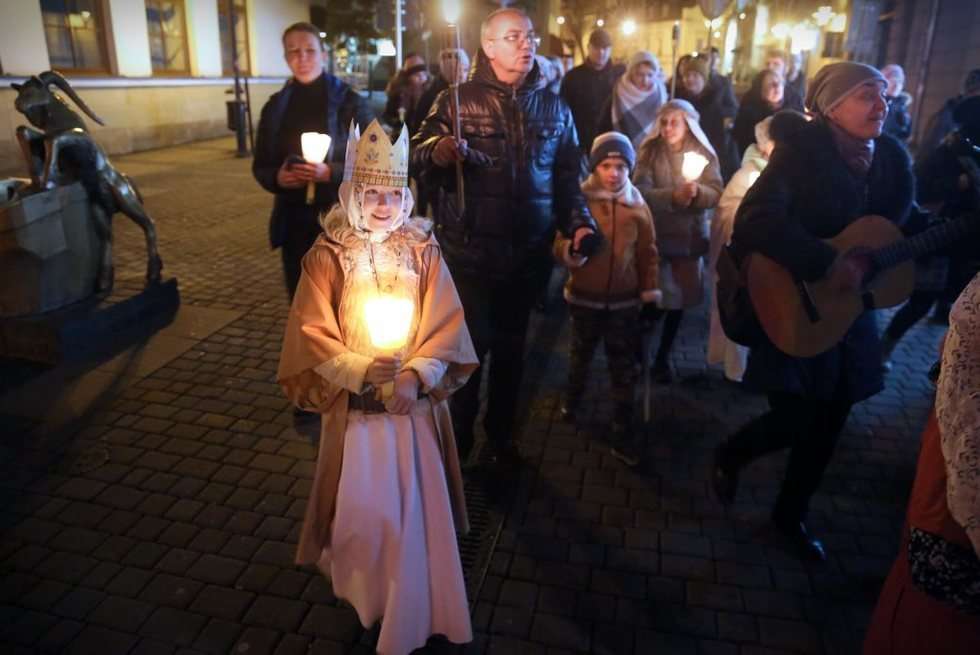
636	98
681	212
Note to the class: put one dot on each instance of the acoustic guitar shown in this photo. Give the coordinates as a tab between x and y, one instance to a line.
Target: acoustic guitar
804	319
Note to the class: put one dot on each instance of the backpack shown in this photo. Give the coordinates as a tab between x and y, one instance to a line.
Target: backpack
735	310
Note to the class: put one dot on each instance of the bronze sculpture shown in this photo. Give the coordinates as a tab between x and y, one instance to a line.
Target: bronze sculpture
61	150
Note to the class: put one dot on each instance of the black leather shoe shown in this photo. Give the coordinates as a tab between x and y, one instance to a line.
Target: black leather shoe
724	478
800	540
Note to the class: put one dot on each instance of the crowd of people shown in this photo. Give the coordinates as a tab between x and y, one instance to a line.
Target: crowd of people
637	185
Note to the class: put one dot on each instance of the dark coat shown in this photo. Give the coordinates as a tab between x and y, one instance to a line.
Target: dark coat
428	99
806	194
530	181
716	104
343	106
754	109
899	122
940	124
586	90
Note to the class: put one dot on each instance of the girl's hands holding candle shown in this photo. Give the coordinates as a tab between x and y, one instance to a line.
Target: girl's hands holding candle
684	194
406	392
382	370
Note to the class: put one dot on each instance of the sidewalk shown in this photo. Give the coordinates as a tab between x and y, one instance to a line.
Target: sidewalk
151	503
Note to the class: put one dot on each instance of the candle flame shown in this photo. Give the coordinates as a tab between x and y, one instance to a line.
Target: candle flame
451	10
693	165
315	146
753	176
388	320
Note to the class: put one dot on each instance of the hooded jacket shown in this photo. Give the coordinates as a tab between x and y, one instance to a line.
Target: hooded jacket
625	271
521	181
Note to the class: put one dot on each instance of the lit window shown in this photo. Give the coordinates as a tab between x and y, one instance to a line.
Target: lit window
75	33
241	35
168	36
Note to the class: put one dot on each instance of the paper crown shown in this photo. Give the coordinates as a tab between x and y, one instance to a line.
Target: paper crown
373	159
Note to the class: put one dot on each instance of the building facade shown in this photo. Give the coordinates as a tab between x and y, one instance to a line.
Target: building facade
155	71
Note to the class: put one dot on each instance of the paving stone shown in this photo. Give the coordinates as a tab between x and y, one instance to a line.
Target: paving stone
216	569
178	534
81	489
222	602
97	640
59	638
171	591
78	603
791	635
101	575
714	596
288	584
28	628
334	623
66	567
257	641
209	541
184	510
178	560
44	595
560	631
514	621
278	613
120	613
130	582
275	553
218	637
145	555
518	594
173	626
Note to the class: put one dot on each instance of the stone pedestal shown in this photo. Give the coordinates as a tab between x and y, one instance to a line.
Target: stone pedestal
49	250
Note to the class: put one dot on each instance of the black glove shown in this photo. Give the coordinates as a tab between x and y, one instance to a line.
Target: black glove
476	158
589	245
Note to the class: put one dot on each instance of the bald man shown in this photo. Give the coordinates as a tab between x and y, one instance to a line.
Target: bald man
520	158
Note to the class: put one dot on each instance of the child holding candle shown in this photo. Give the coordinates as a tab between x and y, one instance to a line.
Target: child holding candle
604	291
678	175
376	308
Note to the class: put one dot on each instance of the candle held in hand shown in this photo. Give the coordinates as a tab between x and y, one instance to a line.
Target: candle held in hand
693	165
388	319
315	146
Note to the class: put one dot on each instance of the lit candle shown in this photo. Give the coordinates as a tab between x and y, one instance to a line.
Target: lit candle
315	146
388	320
753	176
693	165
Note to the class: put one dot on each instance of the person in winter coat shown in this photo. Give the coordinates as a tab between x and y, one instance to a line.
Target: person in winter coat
587	87
717	109
834	170
765	97
779	62
942	122
796	76
387	494
930	602
768	133
405	91
521	164
636	98
605	291
680	213
311	101
899	122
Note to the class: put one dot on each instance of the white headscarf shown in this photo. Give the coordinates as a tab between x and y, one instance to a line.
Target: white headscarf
691	117
351	197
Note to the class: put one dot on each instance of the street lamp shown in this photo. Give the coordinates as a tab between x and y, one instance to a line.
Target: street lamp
629	26
823	15
600	23
560	20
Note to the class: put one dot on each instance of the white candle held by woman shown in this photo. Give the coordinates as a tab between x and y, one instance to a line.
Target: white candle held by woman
315	146
693	165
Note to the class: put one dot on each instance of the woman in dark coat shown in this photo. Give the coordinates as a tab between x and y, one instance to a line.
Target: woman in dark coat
717	108
899	121
834	170
765	97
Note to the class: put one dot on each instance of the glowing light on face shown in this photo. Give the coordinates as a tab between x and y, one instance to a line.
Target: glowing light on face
380	205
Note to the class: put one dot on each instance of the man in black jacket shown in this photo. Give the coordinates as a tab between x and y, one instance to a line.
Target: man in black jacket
520	163
588	86
311	101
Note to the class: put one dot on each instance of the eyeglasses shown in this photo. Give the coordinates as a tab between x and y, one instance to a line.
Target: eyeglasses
519	38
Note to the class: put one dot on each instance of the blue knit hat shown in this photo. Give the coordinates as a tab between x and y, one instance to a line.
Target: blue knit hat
612	144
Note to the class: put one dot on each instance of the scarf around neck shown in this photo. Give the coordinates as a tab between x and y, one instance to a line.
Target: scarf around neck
857	153
634	111
628	195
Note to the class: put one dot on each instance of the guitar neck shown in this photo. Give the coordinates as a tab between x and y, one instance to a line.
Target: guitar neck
924	243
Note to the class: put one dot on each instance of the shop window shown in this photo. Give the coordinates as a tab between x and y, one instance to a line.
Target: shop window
75	33
166	22
233	19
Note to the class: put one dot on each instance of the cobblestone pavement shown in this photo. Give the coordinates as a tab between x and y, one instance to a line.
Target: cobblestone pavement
153	507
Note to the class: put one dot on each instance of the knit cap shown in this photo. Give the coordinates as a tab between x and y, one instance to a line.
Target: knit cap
834	82
612	144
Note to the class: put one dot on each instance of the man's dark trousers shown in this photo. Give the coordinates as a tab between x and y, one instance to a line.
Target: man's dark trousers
497	314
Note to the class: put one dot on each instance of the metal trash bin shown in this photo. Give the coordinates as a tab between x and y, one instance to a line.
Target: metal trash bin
235	113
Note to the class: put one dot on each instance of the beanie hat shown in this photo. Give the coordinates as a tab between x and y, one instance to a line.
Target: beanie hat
834	82
612	144
696	64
